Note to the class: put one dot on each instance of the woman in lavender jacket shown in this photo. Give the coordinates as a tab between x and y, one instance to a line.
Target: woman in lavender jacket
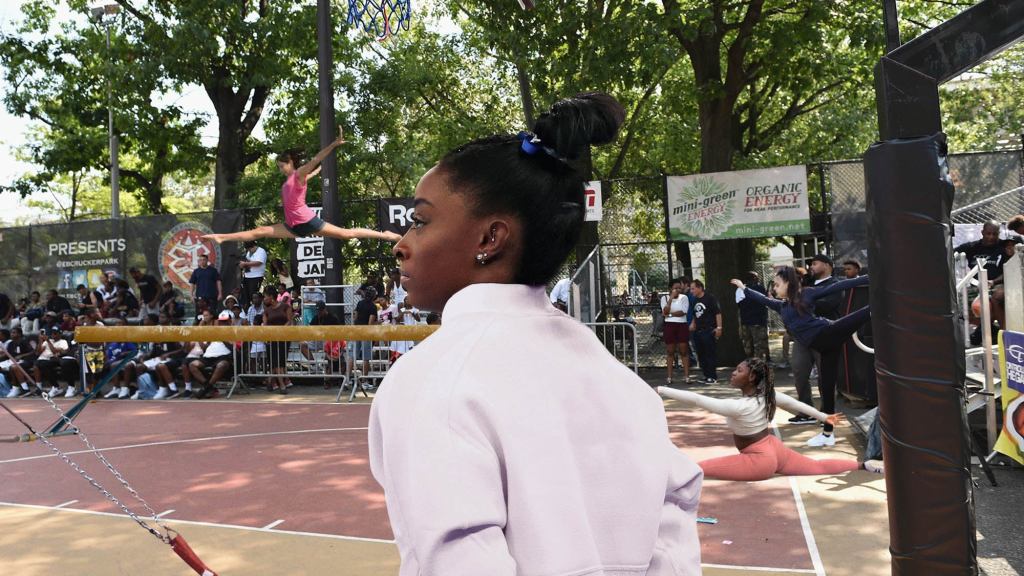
510	442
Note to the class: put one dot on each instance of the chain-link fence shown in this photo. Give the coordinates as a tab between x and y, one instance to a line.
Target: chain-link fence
977	176
1000	208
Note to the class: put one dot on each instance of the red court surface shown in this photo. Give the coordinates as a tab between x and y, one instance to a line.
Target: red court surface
303	467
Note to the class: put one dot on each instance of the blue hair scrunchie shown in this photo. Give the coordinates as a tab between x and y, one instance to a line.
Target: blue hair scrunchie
532	145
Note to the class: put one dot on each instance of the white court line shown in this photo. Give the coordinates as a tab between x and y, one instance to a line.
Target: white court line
186	441
812	546
338	536
281	403
208	524
272	524
68	503
165	513
757	568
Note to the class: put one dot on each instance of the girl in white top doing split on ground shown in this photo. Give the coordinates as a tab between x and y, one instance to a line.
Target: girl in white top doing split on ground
510	441
762	454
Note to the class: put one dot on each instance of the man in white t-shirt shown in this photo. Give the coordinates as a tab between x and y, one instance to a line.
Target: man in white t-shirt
396	292
216	355
254	267
52	346
404	314
560	294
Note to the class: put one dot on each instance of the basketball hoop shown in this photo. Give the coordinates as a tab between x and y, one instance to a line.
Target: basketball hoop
382	18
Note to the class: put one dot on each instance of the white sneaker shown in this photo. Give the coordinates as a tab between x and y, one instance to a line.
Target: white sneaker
71	393
135	396
113	392
161	393
124	393
822	440
53	391
875	466
14	393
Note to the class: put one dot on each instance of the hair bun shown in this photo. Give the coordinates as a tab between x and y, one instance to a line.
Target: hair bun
574	124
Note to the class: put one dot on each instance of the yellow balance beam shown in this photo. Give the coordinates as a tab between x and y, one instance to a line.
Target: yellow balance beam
99	334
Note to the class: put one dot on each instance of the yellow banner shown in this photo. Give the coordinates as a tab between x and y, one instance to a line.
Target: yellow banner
1011	368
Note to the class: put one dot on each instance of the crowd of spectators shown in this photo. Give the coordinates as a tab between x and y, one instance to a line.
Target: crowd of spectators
38	353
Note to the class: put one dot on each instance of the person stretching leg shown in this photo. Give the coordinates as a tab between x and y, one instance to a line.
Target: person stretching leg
796	308
762	454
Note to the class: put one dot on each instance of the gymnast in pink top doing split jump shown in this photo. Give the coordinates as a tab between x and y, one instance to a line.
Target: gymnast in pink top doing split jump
299	219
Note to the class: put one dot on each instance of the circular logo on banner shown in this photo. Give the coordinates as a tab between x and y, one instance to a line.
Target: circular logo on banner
180	250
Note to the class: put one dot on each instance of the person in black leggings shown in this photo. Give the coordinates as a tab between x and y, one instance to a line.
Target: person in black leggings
796	307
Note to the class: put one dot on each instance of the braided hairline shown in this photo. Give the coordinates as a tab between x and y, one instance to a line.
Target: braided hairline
765	384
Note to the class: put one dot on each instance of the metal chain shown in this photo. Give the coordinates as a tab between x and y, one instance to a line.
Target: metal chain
165	537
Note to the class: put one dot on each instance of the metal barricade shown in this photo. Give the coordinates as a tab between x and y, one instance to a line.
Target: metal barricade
263	362
990	389
310	295
620	339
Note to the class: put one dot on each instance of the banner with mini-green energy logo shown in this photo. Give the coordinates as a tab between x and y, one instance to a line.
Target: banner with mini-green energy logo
742	204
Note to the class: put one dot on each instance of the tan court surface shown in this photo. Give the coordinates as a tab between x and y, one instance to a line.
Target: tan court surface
230	469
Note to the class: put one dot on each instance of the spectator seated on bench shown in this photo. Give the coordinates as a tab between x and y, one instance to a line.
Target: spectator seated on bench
217	357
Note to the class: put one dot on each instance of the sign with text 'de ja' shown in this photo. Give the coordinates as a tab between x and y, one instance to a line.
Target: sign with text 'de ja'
308	255
742	204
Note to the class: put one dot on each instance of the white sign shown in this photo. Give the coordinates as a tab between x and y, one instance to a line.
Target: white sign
592	201
742	204
309	255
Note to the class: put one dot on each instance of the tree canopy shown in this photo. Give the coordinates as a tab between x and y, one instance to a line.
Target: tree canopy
708	85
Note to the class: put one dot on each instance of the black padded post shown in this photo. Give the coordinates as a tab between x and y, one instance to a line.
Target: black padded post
919	359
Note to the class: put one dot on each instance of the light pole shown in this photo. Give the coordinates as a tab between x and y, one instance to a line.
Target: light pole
104	15
328	176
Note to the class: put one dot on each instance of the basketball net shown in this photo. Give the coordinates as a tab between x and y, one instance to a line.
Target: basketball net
381	18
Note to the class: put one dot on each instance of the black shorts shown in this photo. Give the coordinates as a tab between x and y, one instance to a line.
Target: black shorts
278	354
304	229
212	362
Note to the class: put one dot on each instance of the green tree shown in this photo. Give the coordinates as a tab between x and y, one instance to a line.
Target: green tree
758	66
239	52
403	104
59	73
564	47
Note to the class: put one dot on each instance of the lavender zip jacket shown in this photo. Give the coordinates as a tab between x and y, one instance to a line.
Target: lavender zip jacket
511	442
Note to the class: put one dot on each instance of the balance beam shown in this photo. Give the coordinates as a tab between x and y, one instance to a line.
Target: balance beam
101	334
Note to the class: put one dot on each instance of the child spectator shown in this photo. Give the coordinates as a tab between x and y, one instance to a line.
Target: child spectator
123	381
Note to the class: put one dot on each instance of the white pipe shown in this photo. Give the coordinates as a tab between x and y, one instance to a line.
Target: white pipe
861	345
986	361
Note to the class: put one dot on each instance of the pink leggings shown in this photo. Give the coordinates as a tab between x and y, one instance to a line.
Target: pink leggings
767	457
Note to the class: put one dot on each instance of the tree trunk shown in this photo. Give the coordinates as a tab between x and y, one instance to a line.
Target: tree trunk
526	95
76	181
230	163
683	256
235	124
155	188
723	259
